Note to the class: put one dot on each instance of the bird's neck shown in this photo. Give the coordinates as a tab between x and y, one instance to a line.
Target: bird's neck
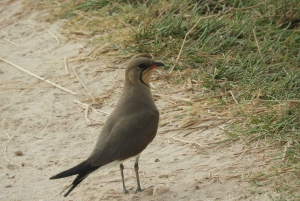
140	91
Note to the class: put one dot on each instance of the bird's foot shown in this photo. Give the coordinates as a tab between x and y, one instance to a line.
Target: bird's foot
138	189
126	191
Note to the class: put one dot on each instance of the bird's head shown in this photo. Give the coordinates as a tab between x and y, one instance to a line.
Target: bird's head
139	70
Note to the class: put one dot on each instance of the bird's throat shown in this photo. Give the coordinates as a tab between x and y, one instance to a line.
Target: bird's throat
145	77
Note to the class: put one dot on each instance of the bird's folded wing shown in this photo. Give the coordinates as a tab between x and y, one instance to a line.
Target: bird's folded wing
128	137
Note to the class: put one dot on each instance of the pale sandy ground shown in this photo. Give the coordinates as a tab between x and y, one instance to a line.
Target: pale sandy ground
50	129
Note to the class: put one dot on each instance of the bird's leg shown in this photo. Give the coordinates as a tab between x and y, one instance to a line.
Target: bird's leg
122	175
136	169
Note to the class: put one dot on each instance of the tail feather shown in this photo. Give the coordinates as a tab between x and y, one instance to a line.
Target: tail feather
78	169
83	170
76	181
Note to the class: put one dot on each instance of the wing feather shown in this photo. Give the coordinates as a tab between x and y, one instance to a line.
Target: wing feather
128	137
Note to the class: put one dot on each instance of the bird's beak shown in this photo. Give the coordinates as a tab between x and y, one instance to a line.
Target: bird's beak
157	64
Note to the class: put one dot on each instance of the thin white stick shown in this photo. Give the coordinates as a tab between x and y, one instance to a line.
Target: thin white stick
38	77
95	124
83	85
184	141
233	96
173	97
85	105
238	158
181	48
11	42
101	112
86	115
80	103
47	53
5	148
32	25
53	36
66	65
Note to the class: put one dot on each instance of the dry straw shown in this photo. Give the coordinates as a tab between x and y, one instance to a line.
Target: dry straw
38	77
6	144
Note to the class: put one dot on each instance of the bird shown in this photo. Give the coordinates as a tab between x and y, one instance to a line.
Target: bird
128	130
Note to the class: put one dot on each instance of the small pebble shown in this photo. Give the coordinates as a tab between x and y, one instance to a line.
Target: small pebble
38	166
19	153
160	189
157	160
8	186
11	176
11	167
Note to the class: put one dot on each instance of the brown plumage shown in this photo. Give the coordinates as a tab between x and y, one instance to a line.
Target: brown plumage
129	128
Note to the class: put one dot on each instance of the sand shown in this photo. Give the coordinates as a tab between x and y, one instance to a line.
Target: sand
44	131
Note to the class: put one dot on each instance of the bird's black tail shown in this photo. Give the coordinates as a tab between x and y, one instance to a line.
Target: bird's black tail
83	170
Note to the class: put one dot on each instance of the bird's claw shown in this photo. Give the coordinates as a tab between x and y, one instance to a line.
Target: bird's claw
140	190
127	191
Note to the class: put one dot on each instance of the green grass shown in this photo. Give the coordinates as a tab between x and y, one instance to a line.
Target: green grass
249	47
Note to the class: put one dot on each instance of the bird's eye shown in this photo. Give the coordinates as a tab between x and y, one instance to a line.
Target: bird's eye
142	66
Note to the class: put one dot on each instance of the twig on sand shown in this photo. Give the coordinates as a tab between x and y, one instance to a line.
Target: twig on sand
66	65
83	105
15	44
184	141
6	144
173	97
38	77
95	124
84	85
86	114
53	36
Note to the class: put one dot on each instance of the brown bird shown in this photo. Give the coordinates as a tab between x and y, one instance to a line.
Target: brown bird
128	130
